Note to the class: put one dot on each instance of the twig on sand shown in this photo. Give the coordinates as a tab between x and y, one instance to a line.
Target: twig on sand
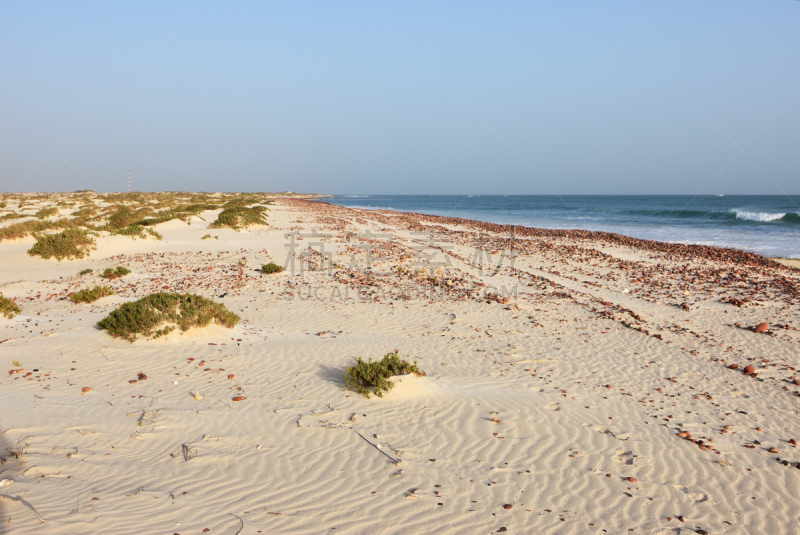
25	503
186	450
394	460
240	527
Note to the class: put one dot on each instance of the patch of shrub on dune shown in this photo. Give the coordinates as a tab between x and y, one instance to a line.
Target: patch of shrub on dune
115	273
71	243
46	212
373	376
240	216
90	295
165	310
8	308
272	267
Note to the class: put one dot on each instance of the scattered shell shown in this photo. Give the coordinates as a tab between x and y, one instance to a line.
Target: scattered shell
773	450
762	327
231	376
239	398
507	506
86	389
632	480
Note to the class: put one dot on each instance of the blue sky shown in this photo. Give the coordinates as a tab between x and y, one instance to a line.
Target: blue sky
672	97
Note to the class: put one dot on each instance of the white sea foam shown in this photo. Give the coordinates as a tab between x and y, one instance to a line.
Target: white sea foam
757	216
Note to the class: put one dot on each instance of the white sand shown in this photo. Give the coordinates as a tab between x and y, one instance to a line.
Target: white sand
303	455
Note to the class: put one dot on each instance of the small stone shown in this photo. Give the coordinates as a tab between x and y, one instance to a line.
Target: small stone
762	327
773	450
632	480
793	442
749	370
507	506
734	367
239	398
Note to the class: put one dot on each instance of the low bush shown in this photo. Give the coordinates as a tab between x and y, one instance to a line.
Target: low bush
20	230
8	308
84	271
71	243
240	216
46	212
373	376
272	267
165	310
131	230
155	234
90	295
115	273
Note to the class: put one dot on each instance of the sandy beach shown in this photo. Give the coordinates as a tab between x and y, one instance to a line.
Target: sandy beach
576	382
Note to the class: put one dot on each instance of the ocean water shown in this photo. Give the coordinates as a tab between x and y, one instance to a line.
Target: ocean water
767	225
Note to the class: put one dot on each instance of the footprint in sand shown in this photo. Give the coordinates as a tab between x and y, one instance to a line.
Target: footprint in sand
624	457
553	406
692	494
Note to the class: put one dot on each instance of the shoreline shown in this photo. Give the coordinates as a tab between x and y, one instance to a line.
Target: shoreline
705	251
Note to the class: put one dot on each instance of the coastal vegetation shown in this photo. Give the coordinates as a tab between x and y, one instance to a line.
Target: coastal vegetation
8	308
130	214
159	313
70	243
115	273
44	213
236	215
272	267
373	377
90	295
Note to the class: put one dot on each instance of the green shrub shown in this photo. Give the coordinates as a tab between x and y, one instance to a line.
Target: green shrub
70	243
90	295
20	230
8	308
125	217
131	230
115	273
154	234
209	236
240	216
143	317
84	271
272	267
46	212
373	376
